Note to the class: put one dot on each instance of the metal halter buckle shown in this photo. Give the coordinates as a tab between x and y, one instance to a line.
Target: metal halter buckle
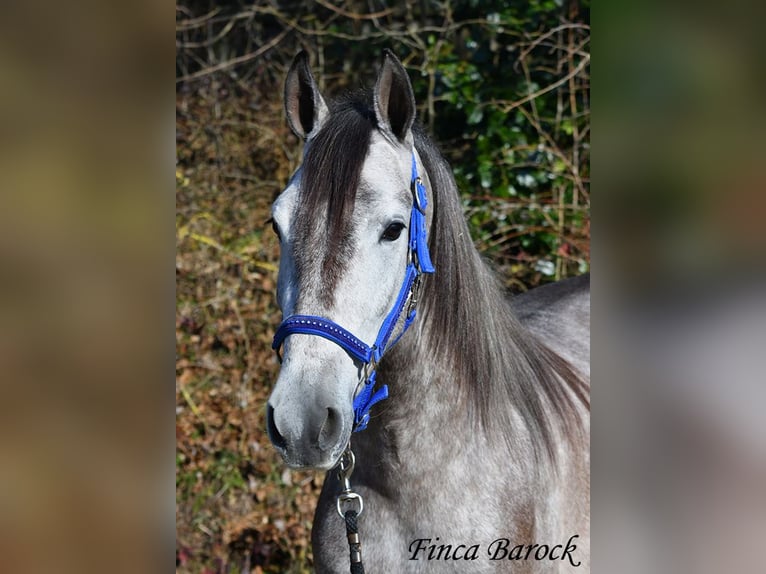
415	191
414	295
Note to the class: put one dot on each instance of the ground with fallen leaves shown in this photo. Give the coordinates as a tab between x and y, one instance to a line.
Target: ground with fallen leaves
238	509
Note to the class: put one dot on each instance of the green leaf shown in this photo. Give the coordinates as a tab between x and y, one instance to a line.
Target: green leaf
475	116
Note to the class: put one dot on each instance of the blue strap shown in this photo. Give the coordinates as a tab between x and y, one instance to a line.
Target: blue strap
313	325
389	323
415	177
364	401
418	234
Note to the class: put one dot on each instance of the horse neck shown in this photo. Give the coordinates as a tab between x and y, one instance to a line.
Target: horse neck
428	403
406	432
467	370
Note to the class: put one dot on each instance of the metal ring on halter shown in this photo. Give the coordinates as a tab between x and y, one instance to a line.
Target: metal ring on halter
415	183
414	294
367	370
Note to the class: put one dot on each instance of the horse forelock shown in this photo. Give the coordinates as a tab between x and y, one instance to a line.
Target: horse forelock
331	174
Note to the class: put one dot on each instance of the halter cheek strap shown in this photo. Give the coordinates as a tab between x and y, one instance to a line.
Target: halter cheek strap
398	320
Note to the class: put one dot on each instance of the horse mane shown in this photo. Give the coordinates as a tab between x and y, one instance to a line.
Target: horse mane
467	324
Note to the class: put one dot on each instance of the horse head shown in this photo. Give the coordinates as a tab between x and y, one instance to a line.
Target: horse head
348	247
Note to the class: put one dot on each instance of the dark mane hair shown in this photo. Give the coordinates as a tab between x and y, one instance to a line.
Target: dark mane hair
467	324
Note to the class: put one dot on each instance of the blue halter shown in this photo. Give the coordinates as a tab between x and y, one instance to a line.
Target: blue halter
402	313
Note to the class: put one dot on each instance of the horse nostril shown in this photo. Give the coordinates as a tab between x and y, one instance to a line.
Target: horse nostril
271	427
330	431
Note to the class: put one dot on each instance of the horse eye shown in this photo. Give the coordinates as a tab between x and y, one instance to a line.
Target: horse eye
393	231
274	227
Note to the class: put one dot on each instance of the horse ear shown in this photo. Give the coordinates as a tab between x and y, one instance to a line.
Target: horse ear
304	105
393	98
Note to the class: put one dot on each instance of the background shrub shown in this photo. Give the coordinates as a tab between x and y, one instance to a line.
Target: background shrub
504	90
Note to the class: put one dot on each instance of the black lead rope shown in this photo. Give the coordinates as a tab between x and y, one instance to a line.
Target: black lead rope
354	544
347	495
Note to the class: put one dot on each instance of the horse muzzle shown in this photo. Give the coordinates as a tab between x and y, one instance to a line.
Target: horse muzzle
314	438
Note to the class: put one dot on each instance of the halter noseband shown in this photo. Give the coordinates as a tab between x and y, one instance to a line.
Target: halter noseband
398	319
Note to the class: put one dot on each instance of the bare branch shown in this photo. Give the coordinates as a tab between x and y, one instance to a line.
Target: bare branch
508	106
195	22
354	15
542	37
235	61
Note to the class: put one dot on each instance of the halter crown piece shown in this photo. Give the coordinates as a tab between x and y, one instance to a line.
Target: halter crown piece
398	320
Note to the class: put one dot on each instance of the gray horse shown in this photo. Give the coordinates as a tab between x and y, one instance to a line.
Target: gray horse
478	461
